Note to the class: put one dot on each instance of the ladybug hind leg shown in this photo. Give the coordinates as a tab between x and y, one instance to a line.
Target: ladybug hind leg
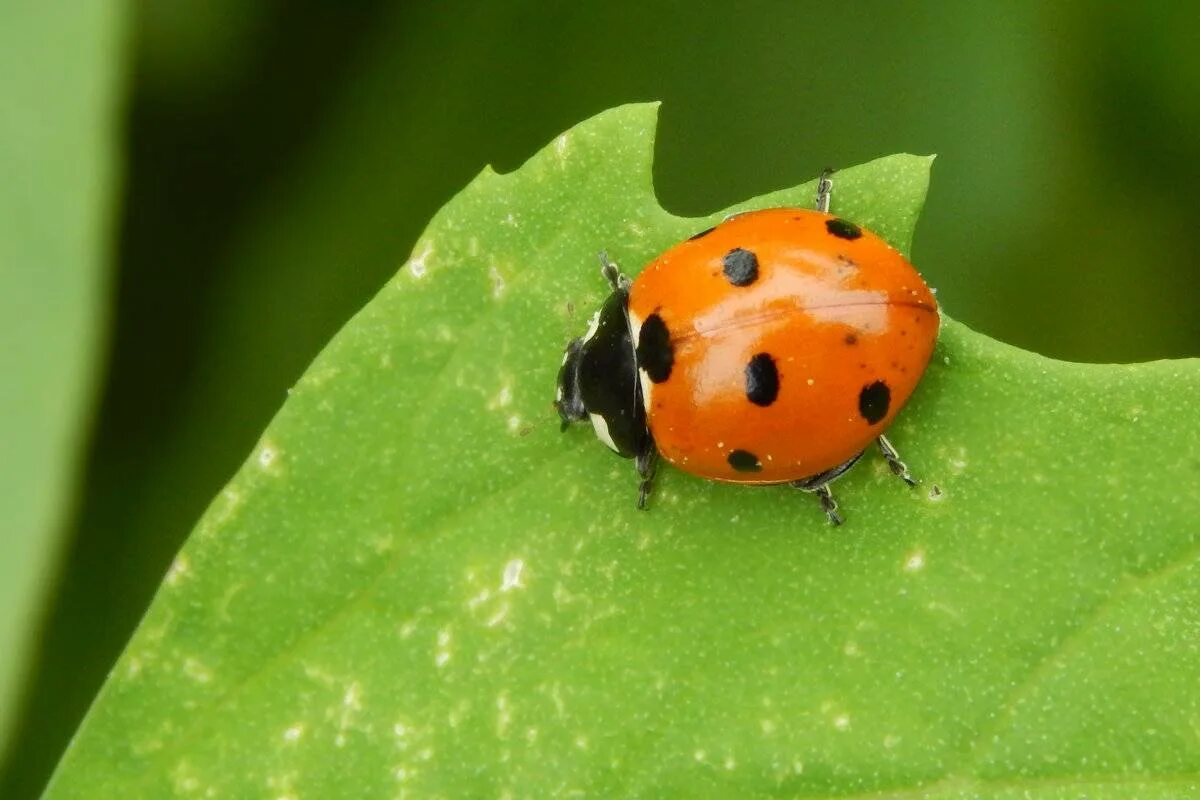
897	466
819	485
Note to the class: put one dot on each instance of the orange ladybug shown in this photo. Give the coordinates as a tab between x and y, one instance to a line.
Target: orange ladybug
772	348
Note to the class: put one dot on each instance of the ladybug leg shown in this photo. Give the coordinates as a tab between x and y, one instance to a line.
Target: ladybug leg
893	458
819	485
824	190
828	504
647	465
619	281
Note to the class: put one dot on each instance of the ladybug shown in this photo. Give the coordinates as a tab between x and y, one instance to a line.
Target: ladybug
773	348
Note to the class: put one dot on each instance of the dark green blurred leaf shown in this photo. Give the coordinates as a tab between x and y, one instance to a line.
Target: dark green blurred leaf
59	75
415	583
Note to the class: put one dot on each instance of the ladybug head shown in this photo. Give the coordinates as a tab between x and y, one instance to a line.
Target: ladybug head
599	381
567	400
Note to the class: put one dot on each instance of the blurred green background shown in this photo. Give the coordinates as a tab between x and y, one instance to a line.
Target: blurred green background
281	158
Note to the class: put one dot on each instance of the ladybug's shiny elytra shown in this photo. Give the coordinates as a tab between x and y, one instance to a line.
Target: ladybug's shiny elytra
772	348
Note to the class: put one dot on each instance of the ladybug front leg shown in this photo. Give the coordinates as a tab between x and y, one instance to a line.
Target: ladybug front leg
894	463
619	281
647	465
824	190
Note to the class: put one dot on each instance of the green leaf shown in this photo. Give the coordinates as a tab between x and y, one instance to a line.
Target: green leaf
416	586
58	81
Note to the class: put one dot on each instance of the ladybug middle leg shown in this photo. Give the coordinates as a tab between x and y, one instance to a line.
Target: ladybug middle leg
819	485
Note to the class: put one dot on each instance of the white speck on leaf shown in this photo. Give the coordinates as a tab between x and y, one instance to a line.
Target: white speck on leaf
418	265
484	595
267	454
915	561
184	778
442	655
351	705
178	571
293	733
498	283
511	578
560	706
842	722
498	617
503	715
193	668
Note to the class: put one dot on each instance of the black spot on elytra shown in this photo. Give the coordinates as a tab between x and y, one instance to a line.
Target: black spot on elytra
741	267
843	229
873	401
851	338
762	380
654	353
701	234
744	461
